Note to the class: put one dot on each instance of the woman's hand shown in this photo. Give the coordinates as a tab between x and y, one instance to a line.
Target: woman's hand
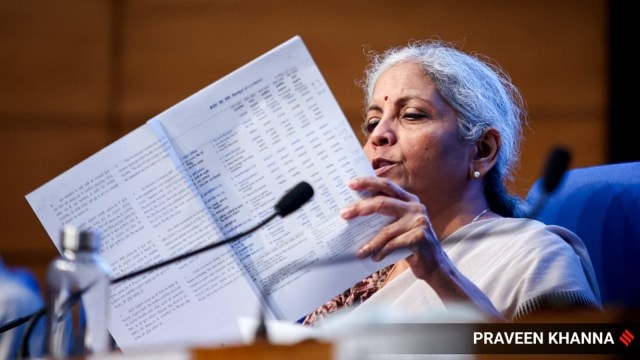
410	229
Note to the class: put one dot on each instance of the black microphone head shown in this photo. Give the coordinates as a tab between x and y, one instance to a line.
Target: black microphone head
555	168
294	199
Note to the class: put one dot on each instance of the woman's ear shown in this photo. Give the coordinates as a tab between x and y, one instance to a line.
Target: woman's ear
485	153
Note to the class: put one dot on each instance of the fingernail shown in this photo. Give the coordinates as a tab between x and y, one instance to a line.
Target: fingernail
363	252
345	212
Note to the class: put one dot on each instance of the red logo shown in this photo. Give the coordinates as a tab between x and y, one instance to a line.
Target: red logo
626	337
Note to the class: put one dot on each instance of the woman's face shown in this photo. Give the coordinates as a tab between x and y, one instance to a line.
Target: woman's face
413	136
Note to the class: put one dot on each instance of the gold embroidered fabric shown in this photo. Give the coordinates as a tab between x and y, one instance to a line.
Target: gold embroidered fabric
358	293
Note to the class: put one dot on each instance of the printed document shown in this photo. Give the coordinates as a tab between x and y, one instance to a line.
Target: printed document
205	169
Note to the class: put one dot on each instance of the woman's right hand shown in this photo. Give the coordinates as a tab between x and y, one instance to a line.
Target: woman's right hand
411	227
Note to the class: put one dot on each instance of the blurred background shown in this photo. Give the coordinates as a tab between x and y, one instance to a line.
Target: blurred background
76	75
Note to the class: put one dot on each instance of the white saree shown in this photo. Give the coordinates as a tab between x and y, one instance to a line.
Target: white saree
520	264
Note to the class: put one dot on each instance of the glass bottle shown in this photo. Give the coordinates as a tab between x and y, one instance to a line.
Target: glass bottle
78	297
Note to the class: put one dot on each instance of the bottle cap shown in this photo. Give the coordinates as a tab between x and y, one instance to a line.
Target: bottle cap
75	239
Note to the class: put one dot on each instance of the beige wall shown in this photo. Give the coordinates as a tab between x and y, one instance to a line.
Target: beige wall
76	75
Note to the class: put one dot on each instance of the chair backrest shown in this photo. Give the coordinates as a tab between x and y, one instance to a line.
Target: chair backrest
601	204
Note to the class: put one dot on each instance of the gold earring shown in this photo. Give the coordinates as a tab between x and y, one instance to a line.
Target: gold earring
476	174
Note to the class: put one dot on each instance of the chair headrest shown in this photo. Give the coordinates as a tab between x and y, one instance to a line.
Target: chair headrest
601	204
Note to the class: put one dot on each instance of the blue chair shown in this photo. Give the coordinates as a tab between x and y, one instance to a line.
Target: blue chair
601	204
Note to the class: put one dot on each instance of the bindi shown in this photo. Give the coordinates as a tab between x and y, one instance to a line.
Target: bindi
385	98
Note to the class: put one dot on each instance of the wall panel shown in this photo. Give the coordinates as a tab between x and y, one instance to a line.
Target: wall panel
54	60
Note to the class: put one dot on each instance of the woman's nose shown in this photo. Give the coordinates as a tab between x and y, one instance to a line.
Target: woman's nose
383	134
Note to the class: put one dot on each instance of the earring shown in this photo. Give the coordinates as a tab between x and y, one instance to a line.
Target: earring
476	174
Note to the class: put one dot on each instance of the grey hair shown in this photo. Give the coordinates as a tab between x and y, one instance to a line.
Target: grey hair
482	95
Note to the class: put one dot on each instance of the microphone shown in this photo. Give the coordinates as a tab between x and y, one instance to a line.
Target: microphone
294	199
556	166
554	170
290	202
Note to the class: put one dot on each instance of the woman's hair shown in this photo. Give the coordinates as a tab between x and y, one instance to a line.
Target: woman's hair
483	97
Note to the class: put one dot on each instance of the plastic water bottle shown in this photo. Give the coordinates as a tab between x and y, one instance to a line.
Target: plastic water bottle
77	297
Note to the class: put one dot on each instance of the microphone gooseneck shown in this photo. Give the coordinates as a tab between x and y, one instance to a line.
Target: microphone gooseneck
290	202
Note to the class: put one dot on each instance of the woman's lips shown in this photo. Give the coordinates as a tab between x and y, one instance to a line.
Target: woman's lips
382	166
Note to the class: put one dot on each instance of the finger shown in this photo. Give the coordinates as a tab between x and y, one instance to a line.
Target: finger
412	239
394	234
378	248
385	235
379	204
380	186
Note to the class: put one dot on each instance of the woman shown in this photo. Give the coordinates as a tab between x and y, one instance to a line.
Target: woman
443	131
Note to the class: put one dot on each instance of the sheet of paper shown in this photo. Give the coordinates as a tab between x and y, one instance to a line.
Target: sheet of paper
256	133
205	169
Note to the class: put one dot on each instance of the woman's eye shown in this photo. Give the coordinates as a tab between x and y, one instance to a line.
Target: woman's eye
414	116
369	125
